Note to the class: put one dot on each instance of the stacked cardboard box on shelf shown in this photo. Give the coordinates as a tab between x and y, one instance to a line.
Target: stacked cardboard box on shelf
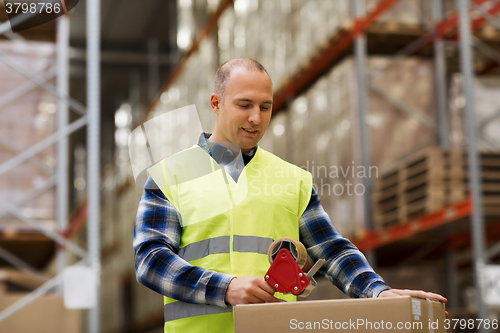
14	285
432	179
41	315
12	279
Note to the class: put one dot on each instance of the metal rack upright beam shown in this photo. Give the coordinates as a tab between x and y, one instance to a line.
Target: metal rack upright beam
440	82
62	87
477	223
440	74
360	50
93	153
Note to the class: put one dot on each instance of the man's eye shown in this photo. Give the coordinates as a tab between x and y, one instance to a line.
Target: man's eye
264	108
245	106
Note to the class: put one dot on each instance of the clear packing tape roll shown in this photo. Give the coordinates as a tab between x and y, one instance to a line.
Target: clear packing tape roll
296	249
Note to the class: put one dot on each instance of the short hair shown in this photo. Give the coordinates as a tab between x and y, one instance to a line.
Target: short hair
224	73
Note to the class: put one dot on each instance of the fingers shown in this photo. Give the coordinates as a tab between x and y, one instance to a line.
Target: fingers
261	296
437	297
264	285
264	292
250	289
417	293
388	293
424	294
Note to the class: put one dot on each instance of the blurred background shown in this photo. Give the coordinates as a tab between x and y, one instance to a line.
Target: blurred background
392	86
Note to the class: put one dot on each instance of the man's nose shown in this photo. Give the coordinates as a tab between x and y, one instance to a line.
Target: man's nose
254	117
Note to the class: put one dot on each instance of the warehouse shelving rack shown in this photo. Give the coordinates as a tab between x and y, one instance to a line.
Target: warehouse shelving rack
90	117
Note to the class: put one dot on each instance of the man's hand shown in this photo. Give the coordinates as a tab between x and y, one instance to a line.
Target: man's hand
250	289
417	293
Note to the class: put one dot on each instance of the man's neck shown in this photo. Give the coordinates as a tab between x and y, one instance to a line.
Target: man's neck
229	145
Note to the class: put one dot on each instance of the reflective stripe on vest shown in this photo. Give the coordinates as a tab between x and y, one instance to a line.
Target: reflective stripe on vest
251	244
204	248
180	310
220	244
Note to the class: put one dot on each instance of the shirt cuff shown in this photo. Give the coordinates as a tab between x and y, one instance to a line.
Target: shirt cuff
376	288
217	288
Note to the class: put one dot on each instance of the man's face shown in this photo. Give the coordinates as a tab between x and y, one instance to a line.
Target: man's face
245	114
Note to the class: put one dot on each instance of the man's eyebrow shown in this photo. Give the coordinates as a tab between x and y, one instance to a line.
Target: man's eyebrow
251	101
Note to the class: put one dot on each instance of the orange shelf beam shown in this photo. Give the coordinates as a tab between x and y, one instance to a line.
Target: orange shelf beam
320	64
77	220
492	233
372	240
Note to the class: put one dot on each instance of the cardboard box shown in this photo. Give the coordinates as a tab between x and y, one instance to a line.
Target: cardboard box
44	315
398	314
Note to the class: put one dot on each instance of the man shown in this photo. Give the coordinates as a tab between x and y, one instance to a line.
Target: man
202	233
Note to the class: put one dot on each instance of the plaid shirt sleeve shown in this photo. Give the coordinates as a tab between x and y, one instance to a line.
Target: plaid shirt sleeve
156	244
346	267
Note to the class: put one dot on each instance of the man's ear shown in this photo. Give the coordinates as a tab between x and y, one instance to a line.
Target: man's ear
215	102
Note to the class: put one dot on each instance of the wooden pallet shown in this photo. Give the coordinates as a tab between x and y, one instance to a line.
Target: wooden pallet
431	179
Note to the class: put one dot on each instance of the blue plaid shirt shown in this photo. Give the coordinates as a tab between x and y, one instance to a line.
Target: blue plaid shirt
158	231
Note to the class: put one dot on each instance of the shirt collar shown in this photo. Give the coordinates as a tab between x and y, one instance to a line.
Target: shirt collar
219	153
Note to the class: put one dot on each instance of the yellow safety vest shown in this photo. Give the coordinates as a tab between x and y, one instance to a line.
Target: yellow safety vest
228	226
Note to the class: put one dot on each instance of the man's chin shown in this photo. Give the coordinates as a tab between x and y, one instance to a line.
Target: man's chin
246	147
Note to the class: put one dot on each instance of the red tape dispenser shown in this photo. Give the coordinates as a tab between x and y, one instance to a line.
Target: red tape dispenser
287	257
